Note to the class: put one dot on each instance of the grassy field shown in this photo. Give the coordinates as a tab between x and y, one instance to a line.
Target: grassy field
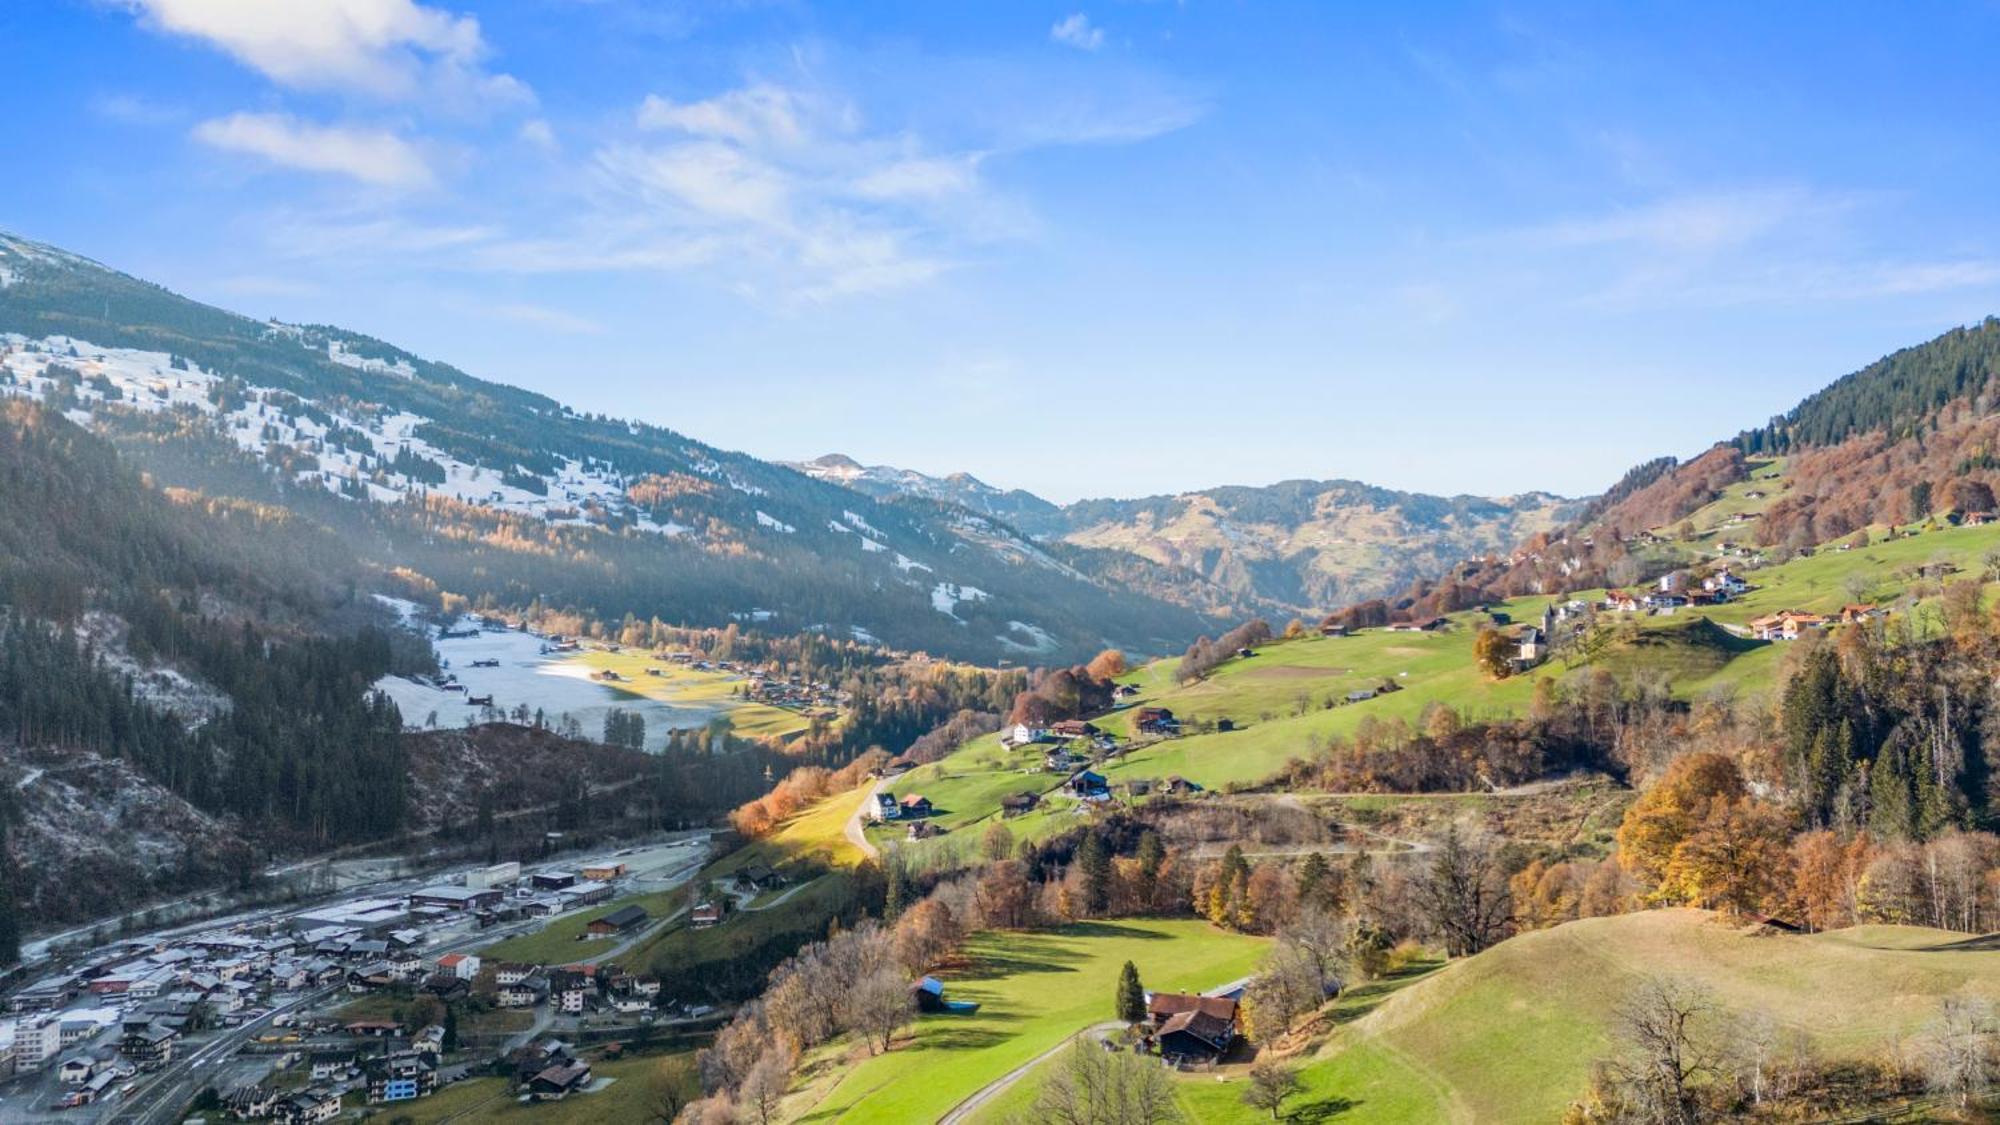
389	1005
561	941
1278	700
1510	1035
819	833
807	910
682	686
630	1097
1034	990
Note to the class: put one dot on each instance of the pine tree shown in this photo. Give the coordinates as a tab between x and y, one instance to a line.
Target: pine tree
1131	995
1093	859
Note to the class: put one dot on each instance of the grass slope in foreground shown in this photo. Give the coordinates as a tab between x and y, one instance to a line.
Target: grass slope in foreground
1034	990
1510	1035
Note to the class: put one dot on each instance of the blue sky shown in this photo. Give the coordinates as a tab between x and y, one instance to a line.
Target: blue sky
1115	249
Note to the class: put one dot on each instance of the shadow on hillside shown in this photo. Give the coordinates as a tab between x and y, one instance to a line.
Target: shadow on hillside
1326	1109
1112	930
965	1039
1986	943
994	966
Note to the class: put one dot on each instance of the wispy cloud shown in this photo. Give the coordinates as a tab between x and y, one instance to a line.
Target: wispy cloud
1075	30
539	133
1695	222
782	188
385	48
1784	244
372	156
131	109
554	320
759	114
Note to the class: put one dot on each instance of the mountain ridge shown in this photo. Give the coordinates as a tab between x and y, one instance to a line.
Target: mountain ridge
506	495
1296	545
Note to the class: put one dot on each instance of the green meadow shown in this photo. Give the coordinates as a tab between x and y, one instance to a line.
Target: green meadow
1034	990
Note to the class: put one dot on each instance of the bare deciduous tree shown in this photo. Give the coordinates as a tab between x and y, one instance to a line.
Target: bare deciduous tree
878	1006
1463	894
1958	1048
1092	1086
1670	1051
763	1090
1270	1084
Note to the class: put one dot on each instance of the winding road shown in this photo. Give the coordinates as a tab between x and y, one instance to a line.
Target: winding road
857	824
1000	1085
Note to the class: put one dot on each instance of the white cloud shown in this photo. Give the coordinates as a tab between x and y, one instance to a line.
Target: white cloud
920	178
759	114
540	134
779	191
707	178
372	156
387	48
1075	30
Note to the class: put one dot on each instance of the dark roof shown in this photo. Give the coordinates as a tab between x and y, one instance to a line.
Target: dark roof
562	1076
625	916
1210	1029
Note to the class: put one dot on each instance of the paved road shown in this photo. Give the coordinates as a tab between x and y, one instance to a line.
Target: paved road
1001	1084
162	1096
856	824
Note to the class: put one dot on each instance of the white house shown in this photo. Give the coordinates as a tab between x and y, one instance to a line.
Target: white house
884	807
464	966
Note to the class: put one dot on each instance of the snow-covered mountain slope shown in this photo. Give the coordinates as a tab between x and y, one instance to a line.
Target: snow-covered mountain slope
498	493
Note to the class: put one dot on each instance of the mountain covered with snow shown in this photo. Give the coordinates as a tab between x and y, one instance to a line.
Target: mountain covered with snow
510	498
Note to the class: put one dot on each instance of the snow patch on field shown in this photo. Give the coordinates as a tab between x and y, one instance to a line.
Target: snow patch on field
1037	638
773	522
553	683
946	597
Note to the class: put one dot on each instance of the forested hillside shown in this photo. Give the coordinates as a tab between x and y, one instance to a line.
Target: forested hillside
223	665
506	497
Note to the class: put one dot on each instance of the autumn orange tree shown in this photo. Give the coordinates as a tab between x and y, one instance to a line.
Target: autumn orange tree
1667	813
1697	837
1494	653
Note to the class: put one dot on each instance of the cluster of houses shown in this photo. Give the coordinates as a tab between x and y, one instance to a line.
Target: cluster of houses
1677	590
1791	624
769	684
129	1006
574	990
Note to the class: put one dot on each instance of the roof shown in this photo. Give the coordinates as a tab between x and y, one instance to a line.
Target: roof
931	985
563	1075
451	959
915	799
1176	1003
1211	1029
625	916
